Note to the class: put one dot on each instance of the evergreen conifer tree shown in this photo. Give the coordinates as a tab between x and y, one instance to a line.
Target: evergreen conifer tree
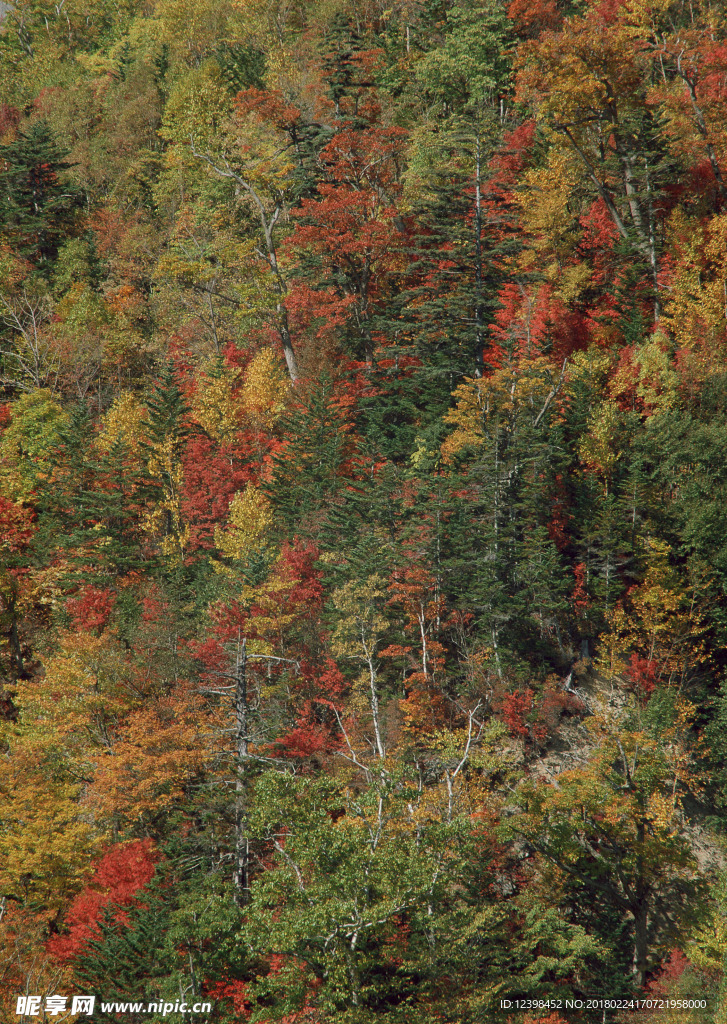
38	206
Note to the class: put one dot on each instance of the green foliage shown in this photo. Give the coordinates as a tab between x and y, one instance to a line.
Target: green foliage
366	900
472	68
37	207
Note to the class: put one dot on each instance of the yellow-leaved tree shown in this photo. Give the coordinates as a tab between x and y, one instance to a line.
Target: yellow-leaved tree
216	401
265	390
248	529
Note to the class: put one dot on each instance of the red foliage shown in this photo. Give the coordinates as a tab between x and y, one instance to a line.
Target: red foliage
154	608
359	100
560	518
579	597
515	706
212	475
424	706
553	703
294	599
119	876
320	308
16	526
331	681
297	568
354	229
9	119
235	991
92	609
315	730
535	320
268	106
643	673
513	156
675	965
305	740
532	17
300	595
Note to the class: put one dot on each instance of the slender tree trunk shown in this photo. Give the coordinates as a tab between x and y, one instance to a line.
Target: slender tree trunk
640	910
641	942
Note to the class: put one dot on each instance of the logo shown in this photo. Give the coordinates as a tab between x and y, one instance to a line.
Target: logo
29	1006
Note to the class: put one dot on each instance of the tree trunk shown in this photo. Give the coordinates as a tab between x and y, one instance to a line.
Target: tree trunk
641	942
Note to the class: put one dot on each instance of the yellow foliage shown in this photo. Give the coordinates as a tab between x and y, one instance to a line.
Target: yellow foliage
545	203
159	748
251	517
658	381
694	306
625	798
29	442
265	389
48	835
599	449
467	418
430	145
198	106
123	422
589	368
215	403
269	24
272	618
194	27
707	950
46	846
165	519
589	374
515	389
663	619
644	13
362	624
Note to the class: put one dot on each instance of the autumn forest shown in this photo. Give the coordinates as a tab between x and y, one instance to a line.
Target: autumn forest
363	510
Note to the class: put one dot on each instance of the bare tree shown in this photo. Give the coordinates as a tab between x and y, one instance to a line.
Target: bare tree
30	360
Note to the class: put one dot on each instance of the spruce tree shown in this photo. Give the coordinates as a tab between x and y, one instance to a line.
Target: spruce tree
38	206
310	470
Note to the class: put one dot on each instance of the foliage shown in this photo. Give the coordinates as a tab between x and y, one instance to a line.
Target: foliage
363	570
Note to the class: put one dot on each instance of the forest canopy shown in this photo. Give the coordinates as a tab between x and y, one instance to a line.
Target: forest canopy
363	509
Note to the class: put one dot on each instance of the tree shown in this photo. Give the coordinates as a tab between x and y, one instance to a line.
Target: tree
507	443
30	360
37	208
320	454
347	240
261	173
117	877
588	82
28	443
18	527
366	896
610	830
165	433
